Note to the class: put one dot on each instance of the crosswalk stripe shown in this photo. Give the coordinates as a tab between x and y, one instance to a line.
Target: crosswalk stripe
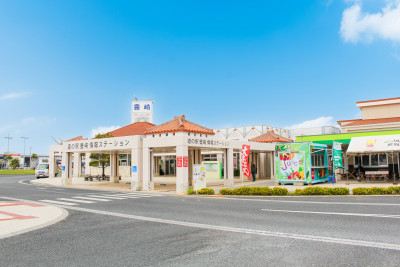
75	200
92	198
127	196
58	202
136	195
105	196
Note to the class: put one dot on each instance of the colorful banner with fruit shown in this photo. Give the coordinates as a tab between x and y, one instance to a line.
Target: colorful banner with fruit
293	162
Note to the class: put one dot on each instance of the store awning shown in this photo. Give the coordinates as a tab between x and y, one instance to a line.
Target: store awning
374	144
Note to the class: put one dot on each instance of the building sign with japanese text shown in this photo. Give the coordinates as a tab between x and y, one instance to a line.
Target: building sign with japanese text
207	142
99	144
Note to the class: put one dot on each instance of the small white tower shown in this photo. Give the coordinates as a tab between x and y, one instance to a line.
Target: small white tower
142	111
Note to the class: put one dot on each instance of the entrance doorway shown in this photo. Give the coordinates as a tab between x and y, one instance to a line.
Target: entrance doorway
167	165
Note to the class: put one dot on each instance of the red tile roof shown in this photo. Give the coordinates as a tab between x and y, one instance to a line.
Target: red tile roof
378	100
179	124
271	137
137	128
78	138
370	121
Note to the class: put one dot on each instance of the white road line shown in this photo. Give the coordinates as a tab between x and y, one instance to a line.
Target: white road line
337	213
129	196
57	202
105	196
75	200
92	198
323	239
310	202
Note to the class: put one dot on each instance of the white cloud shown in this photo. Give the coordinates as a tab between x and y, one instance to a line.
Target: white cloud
103	130
318	122
14	95
358	26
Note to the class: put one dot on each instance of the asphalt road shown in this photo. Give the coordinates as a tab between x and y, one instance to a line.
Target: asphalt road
114	229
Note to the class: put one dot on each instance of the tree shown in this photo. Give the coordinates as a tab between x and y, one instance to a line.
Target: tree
102	160
8	158
34	156
99	160
14	163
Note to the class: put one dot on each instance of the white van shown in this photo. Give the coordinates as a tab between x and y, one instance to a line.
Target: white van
42	170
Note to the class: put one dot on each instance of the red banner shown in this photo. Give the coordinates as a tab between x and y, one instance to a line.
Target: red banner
178	162
185	161
244	160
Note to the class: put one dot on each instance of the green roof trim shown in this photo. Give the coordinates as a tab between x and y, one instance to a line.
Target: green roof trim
341	138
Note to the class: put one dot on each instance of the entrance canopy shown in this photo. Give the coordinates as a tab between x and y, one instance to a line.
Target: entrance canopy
374	144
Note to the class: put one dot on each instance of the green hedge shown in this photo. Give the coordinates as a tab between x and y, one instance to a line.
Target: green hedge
317	190
204	191
255	191
392	190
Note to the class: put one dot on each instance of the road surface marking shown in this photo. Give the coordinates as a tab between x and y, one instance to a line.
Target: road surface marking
58	202
106	196
92	198
75	200
337	213
323	239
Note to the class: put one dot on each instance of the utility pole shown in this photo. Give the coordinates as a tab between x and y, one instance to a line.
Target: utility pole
8	143
24	137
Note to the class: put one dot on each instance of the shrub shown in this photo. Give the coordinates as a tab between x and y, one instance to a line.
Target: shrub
190	191
225	191
394	189
375	190
278	191
242	191
317	190
206	191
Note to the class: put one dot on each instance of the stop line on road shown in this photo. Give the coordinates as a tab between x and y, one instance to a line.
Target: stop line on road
95	198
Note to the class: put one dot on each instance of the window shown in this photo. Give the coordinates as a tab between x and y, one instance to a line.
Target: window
166	134
318	160
376	160
188	134
201	135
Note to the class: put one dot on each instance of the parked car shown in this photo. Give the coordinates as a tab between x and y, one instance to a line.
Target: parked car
42	170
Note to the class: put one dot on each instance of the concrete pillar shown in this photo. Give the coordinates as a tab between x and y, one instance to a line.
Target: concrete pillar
272	170
136	169
113	168
225	166
87	161
77	165
229	168
148	185
182	173
258	175
51	164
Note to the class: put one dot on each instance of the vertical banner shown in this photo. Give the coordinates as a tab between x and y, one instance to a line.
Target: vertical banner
244	160
337	156
185	161
179	162
199	177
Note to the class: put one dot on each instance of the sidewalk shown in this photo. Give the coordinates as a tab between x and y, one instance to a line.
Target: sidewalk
21	217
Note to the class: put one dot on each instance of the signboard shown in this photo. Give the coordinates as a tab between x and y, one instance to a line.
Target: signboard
63	168
337	156
199	177
244	160
293	162
134	170
367	144
213	169
100	144
179	161
185	161
207	142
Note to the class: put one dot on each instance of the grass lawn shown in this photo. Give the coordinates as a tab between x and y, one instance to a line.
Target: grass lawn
17	172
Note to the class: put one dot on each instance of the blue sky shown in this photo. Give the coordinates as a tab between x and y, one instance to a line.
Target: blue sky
68	67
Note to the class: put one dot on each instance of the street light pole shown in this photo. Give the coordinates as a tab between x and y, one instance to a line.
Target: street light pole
24	137
8	143
30	157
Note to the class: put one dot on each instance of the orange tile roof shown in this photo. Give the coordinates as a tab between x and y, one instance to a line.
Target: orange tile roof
377	100
137	128
370	121
78	138
179	124
270	137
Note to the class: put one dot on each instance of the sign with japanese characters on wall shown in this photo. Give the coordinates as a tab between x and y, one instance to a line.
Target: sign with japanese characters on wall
142	106
207	142
100	144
